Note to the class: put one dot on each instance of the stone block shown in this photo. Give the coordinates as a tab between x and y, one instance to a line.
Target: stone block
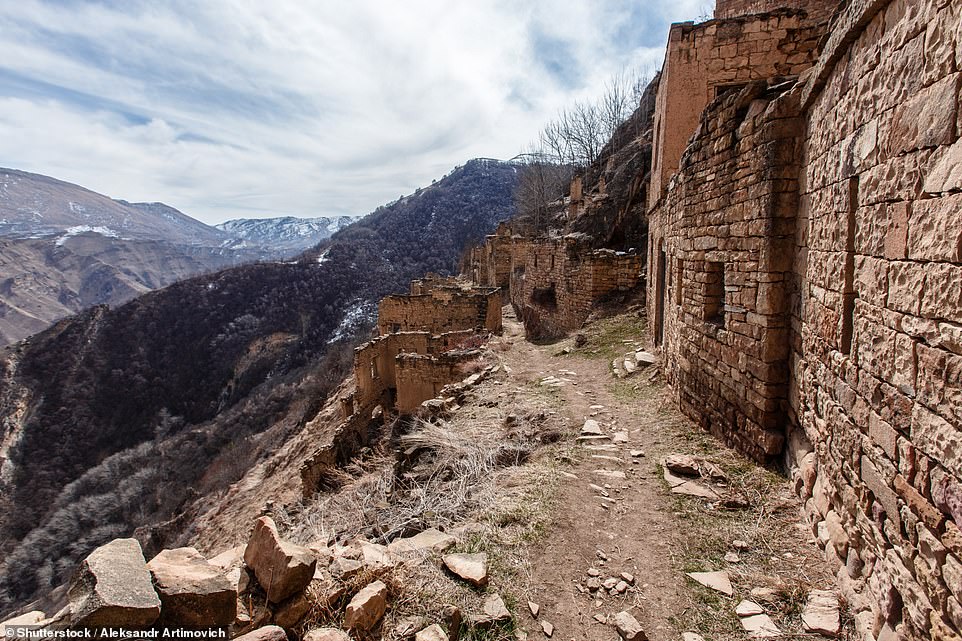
933	231
937	438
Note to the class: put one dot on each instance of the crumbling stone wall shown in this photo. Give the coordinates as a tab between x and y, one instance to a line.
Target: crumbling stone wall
376	372
819	9
555	283
441	309
725	238
420	378
703	60
859	167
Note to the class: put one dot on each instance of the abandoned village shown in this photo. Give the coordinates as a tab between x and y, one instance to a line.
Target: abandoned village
799	197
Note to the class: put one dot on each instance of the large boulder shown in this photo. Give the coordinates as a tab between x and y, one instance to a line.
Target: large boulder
282	568
193	593
112	588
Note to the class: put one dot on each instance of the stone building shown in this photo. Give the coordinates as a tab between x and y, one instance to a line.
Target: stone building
805	280
554	283
439	305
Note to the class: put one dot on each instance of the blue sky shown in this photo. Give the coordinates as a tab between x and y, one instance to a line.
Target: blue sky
243	108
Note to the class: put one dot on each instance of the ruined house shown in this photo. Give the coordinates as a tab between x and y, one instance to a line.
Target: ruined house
805	275
553	283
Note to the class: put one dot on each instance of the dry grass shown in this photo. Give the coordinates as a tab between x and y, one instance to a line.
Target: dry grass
776	556
488	482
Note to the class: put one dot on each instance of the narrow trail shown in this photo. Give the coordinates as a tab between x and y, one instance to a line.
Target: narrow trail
631	530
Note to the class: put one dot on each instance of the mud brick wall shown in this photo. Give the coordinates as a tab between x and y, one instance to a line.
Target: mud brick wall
422	377
555	283
441	310
702	60
877	361
820	9
721	276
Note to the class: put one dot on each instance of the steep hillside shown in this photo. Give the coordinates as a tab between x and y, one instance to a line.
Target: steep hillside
111	418
287	234
45	279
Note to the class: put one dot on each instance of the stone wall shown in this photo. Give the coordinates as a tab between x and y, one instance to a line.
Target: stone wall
704	60
441	309
555	283
420	378
819	9
376	374
723	245
819	227
877	364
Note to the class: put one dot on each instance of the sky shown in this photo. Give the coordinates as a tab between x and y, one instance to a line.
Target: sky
252	108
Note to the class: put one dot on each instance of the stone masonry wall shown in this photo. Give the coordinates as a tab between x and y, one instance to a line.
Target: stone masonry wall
726	236
877	364
375	364
441	310
422	377
704	59
555	285
819	9
826	221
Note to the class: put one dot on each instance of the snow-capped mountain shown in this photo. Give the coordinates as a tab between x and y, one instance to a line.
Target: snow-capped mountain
284	234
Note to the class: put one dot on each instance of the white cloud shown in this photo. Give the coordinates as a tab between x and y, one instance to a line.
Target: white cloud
237	108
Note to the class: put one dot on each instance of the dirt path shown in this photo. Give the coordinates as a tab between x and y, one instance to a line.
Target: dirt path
614	513
629	531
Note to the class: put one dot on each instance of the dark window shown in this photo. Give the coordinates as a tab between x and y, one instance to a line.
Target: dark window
714	311
679	275
848	292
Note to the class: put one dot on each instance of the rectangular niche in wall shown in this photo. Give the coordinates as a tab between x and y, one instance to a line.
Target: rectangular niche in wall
714	310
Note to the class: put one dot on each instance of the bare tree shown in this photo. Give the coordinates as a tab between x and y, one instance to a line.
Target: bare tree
541	181
573	141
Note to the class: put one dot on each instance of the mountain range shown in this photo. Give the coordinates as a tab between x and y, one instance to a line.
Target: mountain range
64	248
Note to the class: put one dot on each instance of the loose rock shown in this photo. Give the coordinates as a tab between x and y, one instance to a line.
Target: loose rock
281	568
628	627
432	633
473	568
430	540
760	626
366	608
267	633
534	608
326	634
112	588
193	593
748	608
591	428
547	628
821	613
718	581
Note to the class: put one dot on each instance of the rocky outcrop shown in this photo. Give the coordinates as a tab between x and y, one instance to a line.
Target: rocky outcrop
282	568
112	587
193	593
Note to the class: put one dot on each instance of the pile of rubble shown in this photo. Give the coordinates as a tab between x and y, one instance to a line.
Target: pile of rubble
269	590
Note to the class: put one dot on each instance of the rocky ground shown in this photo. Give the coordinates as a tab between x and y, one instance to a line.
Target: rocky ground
557	496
